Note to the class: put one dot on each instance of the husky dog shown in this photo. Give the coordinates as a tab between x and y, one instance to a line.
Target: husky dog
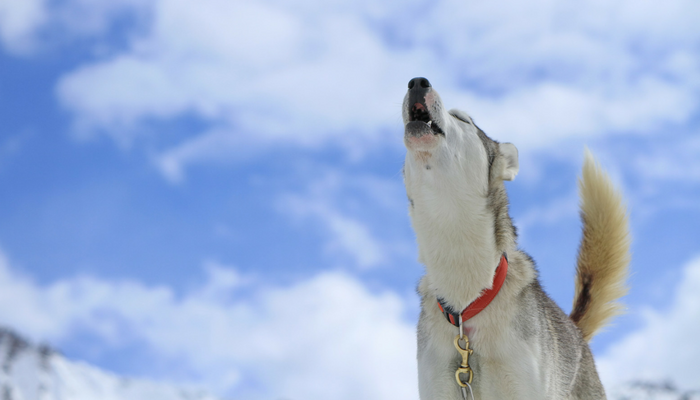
524	346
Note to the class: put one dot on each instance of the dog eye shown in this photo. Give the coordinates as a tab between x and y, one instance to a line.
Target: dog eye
463	120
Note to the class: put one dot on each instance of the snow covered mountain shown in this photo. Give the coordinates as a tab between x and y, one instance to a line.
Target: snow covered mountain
652	391
29	372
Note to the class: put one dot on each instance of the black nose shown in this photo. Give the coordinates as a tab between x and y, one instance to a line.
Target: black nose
421	82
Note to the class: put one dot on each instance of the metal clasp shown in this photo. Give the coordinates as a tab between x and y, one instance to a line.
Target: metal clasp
464	367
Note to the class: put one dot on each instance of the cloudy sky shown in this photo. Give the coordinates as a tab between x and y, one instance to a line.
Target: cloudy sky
210	192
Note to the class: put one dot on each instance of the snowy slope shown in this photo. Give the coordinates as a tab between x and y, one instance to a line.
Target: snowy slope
652	391
29	372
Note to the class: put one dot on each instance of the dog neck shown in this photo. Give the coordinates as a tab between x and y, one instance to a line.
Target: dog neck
456	243
456	317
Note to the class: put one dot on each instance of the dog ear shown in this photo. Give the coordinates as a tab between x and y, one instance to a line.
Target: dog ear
510	158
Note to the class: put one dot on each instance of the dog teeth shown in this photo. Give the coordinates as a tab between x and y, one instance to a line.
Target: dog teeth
430	123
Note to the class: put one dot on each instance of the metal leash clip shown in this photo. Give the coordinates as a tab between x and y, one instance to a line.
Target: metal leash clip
464	367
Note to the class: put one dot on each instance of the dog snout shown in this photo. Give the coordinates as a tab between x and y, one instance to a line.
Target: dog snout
418	88
418	83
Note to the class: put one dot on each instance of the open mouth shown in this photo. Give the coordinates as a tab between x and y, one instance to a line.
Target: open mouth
420	115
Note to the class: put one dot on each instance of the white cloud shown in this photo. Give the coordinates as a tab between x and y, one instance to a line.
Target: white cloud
327	336
325	201
558	209
218	145
268	73
19	19
29	25
348	235
666	347
258	66
540	116
674	161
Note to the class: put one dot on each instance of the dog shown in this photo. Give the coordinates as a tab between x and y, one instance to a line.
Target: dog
517	343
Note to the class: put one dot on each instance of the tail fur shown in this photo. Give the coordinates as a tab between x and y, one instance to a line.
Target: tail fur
604	254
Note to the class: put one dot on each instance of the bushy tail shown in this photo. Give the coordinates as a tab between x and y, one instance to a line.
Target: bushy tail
604	254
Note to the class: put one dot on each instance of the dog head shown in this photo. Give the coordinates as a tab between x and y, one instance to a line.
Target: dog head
447	150
454	176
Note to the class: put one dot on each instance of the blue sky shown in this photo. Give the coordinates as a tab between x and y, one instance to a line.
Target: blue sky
192	192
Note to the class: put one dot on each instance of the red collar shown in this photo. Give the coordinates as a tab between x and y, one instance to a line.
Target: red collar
482	301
